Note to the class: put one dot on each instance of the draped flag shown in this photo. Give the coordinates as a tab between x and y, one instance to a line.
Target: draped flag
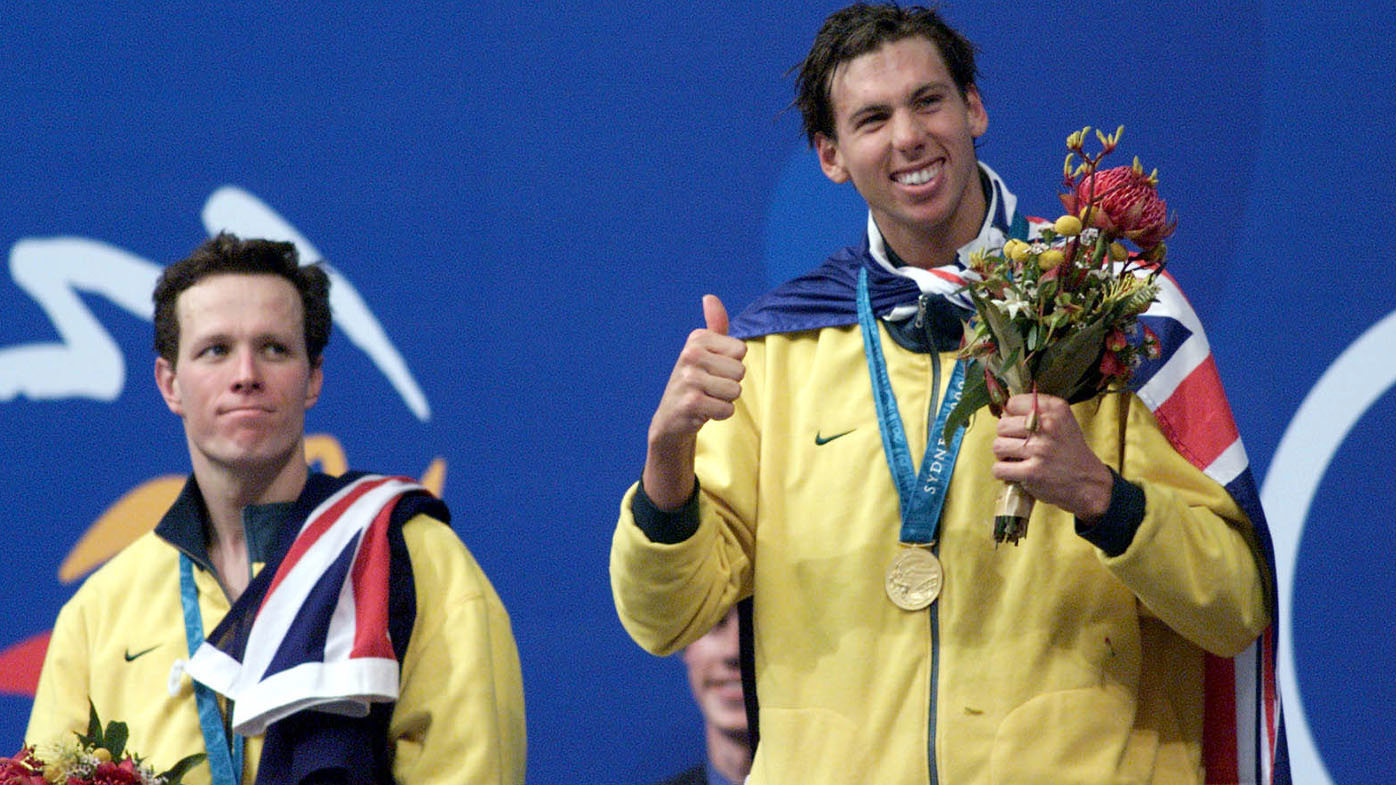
1243	734
318	636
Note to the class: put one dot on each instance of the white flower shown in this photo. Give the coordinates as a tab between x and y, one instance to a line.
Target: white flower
1013	305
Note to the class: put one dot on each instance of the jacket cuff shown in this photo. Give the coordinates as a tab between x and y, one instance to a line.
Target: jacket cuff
1115	530
663	527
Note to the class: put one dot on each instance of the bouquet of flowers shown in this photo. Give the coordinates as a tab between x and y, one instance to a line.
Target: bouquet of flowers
98	758
1059	314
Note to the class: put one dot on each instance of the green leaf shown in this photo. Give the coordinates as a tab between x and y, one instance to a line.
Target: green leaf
1008	338
177	771
973	397
1062	366
115	740
94	728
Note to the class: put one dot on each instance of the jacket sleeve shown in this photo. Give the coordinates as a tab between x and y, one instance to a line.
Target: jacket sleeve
1193	561
61	698
670	594
460	712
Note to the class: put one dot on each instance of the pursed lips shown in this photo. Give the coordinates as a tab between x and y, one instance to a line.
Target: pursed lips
252	411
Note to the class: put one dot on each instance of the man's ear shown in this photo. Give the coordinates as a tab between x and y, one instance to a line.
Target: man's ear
978	115
168	385
316	381
830	159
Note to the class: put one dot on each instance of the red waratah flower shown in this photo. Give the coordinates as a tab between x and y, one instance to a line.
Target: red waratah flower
1128	201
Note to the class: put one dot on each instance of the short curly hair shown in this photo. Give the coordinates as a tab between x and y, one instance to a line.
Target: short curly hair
861	28
227	253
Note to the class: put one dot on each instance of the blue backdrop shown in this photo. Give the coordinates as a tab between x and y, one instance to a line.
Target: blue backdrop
524	203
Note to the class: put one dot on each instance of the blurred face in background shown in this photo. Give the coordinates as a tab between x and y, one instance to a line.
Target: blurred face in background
716	678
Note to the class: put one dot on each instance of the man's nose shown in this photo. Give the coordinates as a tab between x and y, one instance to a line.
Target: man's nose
247	372
906	133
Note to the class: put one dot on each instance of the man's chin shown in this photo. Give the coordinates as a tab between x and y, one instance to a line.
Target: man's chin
252	460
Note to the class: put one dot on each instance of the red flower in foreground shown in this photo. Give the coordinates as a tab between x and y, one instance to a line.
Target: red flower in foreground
113	773
1115	340
1129	202
20	770
1110	365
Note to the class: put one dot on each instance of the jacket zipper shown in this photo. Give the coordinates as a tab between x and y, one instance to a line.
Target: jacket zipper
933	353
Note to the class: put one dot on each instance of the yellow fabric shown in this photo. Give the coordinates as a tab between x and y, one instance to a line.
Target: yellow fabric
1041	663
459	718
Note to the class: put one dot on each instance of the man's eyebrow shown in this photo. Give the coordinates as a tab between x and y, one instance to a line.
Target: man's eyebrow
207	337
937	86
869	108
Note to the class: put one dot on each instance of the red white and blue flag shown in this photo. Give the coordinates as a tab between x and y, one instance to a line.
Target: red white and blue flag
319	637
1243	734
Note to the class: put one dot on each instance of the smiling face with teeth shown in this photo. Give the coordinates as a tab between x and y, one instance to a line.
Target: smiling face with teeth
904	135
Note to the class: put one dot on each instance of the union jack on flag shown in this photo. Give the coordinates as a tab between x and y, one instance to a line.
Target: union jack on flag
319	636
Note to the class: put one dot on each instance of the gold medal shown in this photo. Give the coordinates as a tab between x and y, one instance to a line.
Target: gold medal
914	579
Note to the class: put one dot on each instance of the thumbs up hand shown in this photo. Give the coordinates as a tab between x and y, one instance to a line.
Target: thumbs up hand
704	385
714	314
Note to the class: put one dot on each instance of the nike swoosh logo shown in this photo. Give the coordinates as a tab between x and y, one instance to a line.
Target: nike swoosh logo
822	440
129	656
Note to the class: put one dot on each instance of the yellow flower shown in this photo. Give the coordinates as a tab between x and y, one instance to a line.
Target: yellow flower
1051	258
1067	226
102	754
1017	250
1118	252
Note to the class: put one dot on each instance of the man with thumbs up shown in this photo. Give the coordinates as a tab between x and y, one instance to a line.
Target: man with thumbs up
795	459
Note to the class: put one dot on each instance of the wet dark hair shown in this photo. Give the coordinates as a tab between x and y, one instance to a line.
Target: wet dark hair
862	28
227	253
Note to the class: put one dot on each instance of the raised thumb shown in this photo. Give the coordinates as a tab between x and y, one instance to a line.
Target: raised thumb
714	314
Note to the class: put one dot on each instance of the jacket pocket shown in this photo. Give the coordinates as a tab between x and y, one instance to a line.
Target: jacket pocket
1073	736
805	746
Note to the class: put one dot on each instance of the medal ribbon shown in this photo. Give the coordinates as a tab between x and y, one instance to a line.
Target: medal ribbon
224	760
922	496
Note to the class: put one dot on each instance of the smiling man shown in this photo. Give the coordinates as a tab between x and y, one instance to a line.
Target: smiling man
335	628
715	678
892	641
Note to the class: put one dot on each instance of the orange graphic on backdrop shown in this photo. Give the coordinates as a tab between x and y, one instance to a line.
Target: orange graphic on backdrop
134	514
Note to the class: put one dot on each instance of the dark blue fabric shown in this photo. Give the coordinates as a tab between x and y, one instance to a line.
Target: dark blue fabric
1115	530
664	526
825	296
